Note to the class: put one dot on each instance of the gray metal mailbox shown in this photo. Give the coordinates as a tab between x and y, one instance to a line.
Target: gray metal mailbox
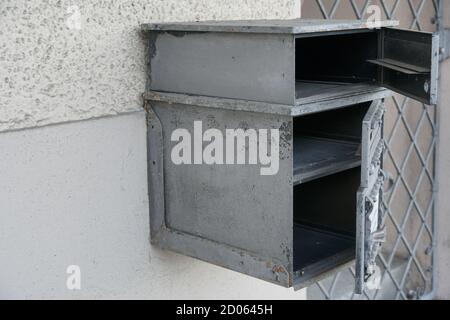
318	87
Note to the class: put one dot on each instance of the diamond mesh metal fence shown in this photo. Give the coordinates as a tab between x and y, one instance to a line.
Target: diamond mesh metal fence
411	143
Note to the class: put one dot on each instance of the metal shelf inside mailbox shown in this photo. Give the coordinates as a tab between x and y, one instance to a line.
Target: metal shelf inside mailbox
321	250
316	157
400	66
327	142
307	89
307	92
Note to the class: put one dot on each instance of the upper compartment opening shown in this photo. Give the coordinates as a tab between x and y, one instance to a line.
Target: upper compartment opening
326	63
401	60
337	58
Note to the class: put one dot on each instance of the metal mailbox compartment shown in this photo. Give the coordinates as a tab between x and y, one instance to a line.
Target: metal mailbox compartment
322	209
291	61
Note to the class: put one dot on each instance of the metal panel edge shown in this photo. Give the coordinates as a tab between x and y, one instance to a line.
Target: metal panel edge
155	167
231	258
268	108
434	85
219	103
330	104
288	26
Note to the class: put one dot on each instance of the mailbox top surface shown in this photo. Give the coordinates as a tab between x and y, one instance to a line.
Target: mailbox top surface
293	26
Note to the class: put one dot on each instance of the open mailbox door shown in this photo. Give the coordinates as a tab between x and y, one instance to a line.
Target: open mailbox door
370	231
409	63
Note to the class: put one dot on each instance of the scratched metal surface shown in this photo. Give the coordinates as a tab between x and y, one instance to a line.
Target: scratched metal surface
229	215
290	26
411	143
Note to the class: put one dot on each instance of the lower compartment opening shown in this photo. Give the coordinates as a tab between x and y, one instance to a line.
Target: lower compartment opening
327	176
325	223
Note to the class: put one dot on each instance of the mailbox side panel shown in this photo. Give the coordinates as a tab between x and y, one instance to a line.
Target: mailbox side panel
259	67
227	214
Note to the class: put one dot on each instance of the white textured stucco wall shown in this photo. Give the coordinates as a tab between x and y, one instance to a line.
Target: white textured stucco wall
76	193
51	71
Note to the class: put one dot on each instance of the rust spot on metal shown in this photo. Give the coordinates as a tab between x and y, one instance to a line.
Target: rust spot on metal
278	269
